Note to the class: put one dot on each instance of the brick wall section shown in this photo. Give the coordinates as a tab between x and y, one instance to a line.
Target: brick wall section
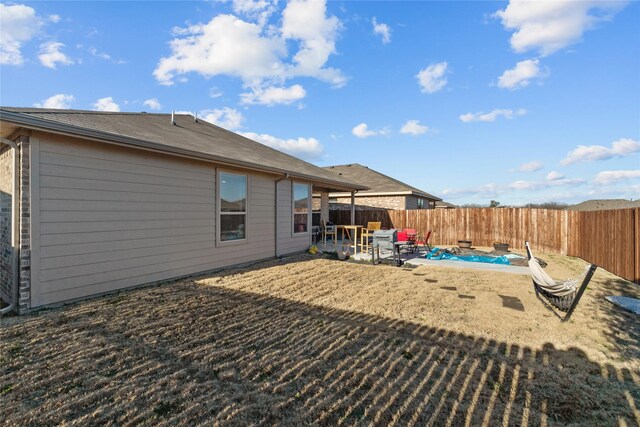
6	251
24	300
387	202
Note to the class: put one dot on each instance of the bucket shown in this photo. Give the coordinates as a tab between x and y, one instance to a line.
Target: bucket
501	247
466	244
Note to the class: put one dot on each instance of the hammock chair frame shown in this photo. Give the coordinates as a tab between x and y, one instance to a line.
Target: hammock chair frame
566	303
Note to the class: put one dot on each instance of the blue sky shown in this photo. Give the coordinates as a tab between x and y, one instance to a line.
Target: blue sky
514	101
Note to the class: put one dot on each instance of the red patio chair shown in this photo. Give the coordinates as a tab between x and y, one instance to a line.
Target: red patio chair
412	237
424	240
408	237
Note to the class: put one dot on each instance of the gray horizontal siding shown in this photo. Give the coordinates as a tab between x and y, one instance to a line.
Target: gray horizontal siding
115	185
121	177
113	218
129	215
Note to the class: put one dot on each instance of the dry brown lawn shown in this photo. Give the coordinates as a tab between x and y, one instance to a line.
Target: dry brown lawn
310	340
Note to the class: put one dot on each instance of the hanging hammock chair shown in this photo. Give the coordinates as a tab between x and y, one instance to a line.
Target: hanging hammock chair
564	295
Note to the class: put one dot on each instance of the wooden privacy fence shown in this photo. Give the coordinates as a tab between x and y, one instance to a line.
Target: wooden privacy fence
610	239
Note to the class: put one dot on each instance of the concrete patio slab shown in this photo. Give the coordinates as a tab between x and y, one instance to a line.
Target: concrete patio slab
472	265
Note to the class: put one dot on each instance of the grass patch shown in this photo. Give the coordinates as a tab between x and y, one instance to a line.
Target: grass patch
164	409
6	389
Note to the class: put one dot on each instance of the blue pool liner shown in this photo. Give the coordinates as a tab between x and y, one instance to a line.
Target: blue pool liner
469	258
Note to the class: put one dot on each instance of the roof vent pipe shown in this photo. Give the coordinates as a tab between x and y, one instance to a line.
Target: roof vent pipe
195	117
173	120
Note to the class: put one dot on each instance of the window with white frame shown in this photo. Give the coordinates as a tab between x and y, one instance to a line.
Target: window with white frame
300	207
232	202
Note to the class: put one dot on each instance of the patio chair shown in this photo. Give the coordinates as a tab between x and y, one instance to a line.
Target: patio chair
564	295
424	241
329	229
366	235
316	234
412	239
404	241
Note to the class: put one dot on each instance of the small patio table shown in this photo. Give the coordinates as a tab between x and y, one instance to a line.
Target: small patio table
353	243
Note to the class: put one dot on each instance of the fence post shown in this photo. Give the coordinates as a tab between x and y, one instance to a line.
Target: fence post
564	236
637	245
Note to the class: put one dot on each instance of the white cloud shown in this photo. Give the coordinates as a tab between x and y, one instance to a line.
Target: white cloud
226	117
541	185
256	53
554	176
214	92
495	190
487	190
103	55
527	185
51	54
305	148
273	95
492	116
548	26
432	78
18	25
106	104
60	101
306	21
522	74
362	131
259	10
609	177
531	166
93	51
413	127
567	182
584	153
383	30
225	45
153	103
54	18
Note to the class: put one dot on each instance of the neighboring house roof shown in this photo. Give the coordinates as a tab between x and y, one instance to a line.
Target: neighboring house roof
378	183
443	204
599	205
347	207
187	137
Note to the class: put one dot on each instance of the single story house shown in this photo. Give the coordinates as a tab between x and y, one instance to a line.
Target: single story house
384	191
605	204
445	205
107	201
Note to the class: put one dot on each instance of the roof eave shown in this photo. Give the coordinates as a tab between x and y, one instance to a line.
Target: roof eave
110	138
389	193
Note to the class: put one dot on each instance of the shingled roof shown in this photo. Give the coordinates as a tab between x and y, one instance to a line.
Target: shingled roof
196	139
377	182
605	204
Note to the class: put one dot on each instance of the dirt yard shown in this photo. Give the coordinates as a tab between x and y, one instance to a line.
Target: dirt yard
310	340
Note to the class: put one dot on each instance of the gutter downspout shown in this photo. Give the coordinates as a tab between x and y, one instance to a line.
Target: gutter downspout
15	213
275	207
